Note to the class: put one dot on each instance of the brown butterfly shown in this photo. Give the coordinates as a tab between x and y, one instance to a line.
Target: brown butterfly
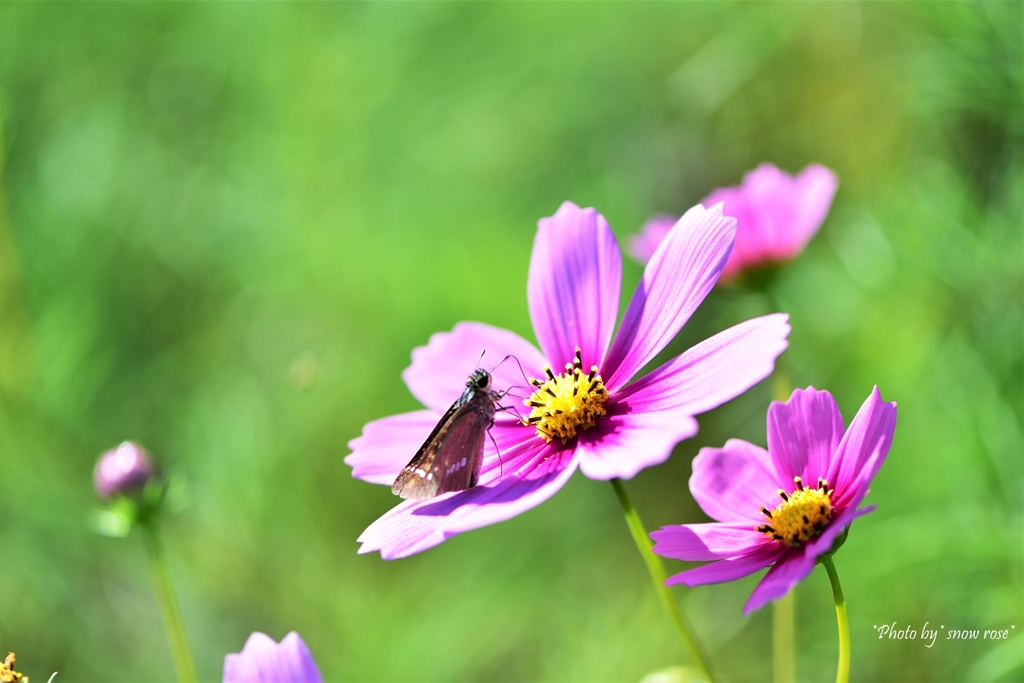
450	458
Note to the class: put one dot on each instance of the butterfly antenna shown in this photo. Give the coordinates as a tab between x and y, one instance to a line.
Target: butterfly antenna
508	392
480	358
525	379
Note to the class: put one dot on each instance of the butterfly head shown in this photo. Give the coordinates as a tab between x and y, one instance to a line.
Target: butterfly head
479	380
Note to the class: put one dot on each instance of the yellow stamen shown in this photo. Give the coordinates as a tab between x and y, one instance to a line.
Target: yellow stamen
801	516
566	404
7	672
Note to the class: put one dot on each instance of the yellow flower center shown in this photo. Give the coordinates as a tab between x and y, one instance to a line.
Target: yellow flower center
566	404
7	672
801	516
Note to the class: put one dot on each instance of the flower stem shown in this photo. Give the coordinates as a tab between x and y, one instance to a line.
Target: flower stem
783	609
783	647
658	576
168	604
843	671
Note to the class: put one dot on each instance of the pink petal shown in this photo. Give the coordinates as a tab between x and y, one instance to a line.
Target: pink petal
439	370
573	288
714	371
803	433
854	462
847	506
623	443
744	251
643	245
529	473
728	570
777	213
701	542
388	444
731	484
815	188
680	274
789	570
264	661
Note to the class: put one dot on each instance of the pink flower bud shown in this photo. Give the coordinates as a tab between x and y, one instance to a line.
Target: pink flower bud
124	470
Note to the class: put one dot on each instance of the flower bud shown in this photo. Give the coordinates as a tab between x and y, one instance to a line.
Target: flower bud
124	470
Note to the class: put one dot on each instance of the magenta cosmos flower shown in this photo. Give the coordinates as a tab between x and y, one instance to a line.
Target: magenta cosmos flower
583	412
777	215
264	661
786	506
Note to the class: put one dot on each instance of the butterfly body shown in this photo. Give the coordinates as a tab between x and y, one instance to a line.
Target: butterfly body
450	458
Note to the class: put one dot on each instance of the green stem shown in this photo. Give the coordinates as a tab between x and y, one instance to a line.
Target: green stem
169	604
783	628
843	671
658	576
783	609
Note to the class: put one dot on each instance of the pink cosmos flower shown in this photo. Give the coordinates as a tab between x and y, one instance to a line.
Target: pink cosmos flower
264	661
777	215
588	416
786	506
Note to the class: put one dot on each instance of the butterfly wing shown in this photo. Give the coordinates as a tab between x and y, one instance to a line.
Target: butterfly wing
450	458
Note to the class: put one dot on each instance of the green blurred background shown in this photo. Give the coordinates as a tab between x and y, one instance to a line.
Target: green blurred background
224	227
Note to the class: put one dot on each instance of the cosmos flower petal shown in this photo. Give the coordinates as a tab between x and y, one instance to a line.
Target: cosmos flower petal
788	571
873	426
439	370
574	285
803	433
701	542
815	188
777	213
715	371
622	444
675	281
526	475
388	444
727	570
264	661
732	483
847	508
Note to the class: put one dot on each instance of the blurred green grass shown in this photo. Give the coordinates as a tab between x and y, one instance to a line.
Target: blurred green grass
223	228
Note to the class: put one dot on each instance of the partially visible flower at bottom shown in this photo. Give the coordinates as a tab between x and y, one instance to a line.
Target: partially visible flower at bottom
7	672
786	506
264	661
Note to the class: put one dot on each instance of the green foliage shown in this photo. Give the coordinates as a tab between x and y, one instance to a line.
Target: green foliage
223	228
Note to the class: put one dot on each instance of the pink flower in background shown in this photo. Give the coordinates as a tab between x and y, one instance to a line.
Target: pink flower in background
583	412
264	661
785	506
123	471
643	245
776	213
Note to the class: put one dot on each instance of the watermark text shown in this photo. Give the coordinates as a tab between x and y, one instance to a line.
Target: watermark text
929	634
